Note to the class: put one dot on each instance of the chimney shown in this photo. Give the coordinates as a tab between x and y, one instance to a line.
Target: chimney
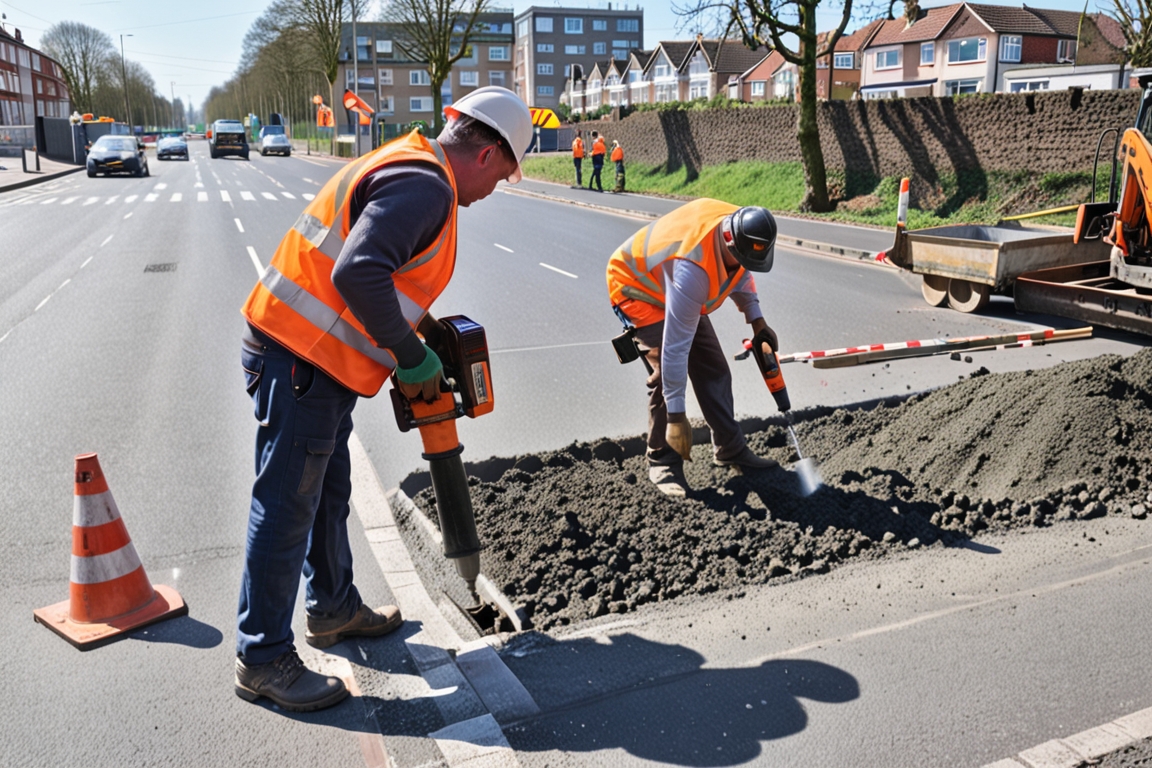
19	37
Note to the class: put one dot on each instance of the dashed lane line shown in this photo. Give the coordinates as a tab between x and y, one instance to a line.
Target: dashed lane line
176	197
128	215
503	247
106	241
269	196
246	195
201	197
225	196
256	261
557	269
239	226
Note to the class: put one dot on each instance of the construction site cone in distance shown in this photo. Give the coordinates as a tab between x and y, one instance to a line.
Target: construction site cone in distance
110	594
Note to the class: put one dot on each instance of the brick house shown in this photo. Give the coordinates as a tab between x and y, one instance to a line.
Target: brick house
31	84
842	67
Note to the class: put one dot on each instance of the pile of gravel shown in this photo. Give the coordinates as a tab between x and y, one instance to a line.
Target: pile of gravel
580	532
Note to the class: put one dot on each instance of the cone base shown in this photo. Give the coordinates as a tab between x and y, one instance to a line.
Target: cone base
166	604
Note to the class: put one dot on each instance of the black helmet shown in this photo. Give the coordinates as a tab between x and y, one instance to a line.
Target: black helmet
753	231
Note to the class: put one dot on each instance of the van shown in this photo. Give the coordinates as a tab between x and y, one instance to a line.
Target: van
228	138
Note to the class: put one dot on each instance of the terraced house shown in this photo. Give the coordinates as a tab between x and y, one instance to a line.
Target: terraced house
975	48
31	84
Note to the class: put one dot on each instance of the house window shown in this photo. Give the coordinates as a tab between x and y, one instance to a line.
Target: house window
1029	85
545	90
419	77
1066	51
573	26
469	79
24	60
363	49
575	50
958	87
599	25
663	69
420	104
1010	48
496	77
36	62
927	54
888	59
619	53
40	84
844	61
599	48
758	88
522	28
634	76
497	53
385	76
545	48
386	105
627	25
383	47
543	23
619	43
967	49
543	69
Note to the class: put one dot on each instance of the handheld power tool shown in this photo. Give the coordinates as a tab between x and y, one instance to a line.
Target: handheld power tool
463	350
765	354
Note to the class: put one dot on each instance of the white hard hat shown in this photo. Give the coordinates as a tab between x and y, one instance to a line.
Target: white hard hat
503	111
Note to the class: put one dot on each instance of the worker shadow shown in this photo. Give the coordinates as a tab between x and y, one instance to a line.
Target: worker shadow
184	630
659	702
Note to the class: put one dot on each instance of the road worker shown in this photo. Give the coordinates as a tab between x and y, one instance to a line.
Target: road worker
599	149
664	282
618	158
578	157
336	312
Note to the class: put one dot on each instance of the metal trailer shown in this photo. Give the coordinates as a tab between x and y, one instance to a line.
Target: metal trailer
963	265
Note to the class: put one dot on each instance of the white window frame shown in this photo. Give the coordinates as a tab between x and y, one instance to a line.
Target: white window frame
419	77
544	69
385	76
498	53
1066	51
599	25
758	87
1011	48
844	60
469	78
497	77
981	50
573	26
543	24
545	48
386	104
522	28
627	25
928	53
545	90
886	54
1024	86
383	47
953	87
419	103
575	50
600	48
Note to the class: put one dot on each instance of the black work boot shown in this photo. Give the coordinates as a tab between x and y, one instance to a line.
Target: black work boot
287	683
322	633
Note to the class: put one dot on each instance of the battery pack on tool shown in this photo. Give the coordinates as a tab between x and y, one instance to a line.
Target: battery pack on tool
465	359
770	369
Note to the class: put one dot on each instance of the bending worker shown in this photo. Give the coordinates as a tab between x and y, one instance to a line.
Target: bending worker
665	281
578	157
337	311
618	158
599	148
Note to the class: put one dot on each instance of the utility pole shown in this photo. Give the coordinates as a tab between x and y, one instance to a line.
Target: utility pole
124	75
355	79
174	104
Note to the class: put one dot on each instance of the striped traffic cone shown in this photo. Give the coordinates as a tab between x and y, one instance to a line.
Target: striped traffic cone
110	592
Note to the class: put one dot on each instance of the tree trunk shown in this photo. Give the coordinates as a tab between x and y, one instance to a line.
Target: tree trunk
437	108
808	129
332	106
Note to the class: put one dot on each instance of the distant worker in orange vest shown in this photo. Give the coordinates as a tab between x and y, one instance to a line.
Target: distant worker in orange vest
578	158
618	158
599	149
333	315
663	282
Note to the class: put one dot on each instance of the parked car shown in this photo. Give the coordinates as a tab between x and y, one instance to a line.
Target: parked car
172	146
228	138
275	144
117	154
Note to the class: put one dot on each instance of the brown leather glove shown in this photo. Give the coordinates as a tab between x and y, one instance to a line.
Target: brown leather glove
678	433
759	325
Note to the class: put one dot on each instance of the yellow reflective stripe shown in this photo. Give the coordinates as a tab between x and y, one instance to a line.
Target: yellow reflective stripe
639	295
323	317
311	229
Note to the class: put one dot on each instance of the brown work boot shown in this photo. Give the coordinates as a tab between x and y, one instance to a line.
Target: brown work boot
322	633
668	479
746	459
287	683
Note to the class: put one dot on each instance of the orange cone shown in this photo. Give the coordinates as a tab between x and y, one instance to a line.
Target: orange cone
110	592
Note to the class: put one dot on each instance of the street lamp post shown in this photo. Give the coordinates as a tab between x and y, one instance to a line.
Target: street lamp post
124	75
174	125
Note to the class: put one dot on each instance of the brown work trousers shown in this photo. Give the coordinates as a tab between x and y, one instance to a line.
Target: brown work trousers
711	382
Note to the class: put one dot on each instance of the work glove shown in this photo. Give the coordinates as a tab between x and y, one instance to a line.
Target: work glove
758	326
678	433
423	381
433	332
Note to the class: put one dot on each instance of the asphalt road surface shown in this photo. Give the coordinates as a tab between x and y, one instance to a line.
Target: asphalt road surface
119	330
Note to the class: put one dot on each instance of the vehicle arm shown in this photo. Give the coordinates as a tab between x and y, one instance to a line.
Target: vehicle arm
397	212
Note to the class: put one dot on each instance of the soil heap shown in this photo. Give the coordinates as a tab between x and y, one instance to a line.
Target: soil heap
580	532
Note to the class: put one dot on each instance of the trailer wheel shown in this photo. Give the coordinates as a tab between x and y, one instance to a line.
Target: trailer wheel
934	289
964	296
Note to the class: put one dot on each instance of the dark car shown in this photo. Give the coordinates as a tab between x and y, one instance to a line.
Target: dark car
117	154
172	146
228	138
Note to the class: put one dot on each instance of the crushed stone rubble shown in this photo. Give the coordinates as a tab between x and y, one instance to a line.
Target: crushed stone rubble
580	532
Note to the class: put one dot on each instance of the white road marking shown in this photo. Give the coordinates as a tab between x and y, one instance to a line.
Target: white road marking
201	197
107	240
225	196
269	196
111	199
128	215
176	197
198	184
256	261
63	284
289	195
131	198
49	200
309	180
247	195
557	269
68	200
160	186
239	226
503	247
87	260
42	303
308	196
91	201
550	346
150	197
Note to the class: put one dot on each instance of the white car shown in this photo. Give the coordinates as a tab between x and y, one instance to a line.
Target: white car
275	144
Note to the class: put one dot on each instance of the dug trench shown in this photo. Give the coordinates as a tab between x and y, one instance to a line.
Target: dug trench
580	532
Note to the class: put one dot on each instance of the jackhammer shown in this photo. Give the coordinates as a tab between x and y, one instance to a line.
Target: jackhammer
463	350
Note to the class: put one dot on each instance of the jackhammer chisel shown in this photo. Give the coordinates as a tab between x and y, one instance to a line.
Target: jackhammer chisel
463	350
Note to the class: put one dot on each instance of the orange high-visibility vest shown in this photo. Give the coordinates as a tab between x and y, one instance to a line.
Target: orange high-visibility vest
578	147
690	232
617	154
598	146
295	302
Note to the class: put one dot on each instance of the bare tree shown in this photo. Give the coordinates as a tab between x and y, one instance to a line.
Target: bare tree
438	32
83	52
1135	17
322	21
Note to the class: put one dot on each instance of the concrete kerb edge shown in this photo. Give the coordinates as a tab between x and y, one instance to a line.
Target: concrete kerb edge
1090	745
827	249
39	180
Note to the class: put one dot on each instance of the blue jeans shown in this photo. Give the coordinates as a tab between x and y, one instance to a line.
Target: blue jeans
298	521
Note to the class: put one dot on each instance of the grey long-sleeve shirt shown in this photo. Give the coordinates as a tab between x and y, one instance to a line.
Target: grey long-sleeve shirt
396	212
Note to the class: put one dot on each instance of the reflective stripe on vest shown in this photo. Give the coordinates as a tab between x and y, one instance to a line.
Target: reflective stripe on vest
296	303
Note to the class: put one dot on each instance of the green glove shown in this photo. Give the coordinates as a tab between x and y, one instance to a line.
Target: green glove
423	381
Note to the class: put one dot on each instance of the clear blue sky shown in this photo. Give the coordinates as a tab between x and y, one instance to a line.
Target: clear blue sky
197	45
